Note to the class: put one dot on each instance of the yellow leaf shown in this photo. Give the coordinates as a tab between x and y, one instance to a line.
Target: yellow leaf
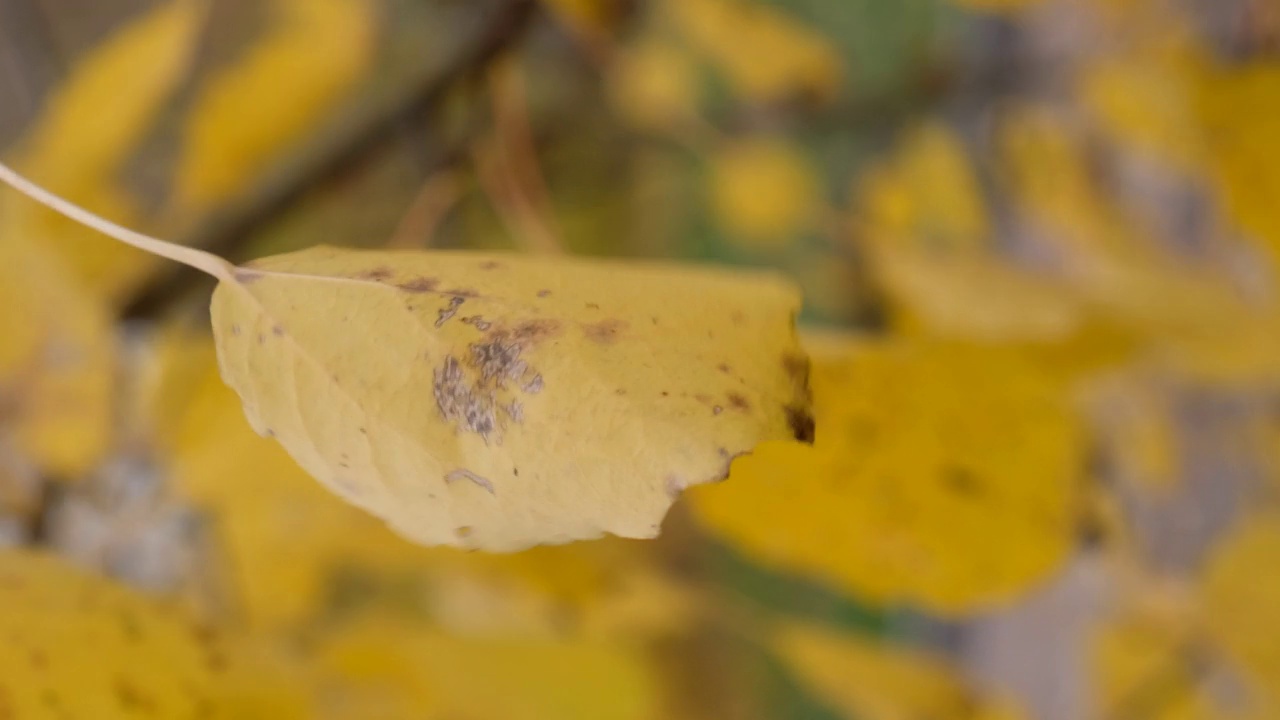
256	109
1242	599
84	137
763	191
944	475
925	224
79	646
736	35
386	669
867	681
56	361
654	85
498	401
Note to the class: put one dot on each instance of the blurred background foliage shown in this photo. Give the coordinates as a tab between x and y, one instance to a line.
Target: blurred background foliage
1039	244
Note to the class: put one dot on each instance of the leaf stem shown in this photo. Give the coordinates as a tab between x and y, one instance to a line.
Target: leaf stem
198	259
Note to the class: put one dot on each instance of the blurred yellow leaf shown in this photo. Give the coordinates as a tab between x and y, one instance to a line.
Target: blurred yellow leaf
945	475
1240	109
499	401
86	135
736	35
654	85
996	5
56	361
261	106
764	192
924	221
385	669
1136	424
1242	599
867	681
79	646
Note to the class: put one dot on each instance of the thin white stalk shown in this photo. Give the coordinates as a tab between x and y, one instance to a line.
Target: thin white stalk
198	259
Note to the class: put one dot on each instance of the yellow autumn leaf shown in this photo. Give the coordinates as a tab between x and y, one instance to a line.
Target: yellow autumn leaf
56	361
654	85
257	108
945	475
735	35
1242	599
764	192
389	669
80	646
869	681
84	137
498	401
925	227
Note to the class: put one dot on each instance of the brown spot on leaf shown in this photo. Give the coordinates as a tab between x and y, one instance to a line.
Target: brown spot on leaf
470	391
703	398
605	331
800	420
478	322
130	697
449	311
245	276
544	293
490	265
464	474
262	339
737	317
724	368
961	481
458	401
463	292
593	306
235	331
797	368
419	285
277	330
379	274
738	401
38	659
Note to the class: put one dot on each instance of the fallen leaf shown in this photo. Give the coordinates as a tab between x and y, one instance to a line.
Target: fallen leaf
945	475
81	646
869	681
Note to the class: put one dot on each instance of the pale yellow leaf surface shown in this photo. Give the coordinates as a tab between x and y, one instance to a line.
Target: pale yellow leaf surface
259	107
1242	599
91	124
736	35
867	681
944	475
385	669
56	361
80	646
764	192
499	401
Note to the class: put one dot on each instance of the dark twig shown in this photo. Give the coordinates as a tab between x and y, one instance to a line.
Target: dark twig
223	232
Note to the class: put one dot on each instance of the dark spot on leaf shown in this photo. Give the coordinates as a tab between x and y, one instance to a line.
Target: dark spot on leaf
738	401
235	331
797	368
130	627
702	398
378	273
262	339
464	292
478	322
737	317
723	367
961	481
364	431
244	277
665	393
593	306
544	293
620	391
419	285
449	311
605	331
269	433
130	697
515	471
277	331
716	410
490	265
38	659
800	420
